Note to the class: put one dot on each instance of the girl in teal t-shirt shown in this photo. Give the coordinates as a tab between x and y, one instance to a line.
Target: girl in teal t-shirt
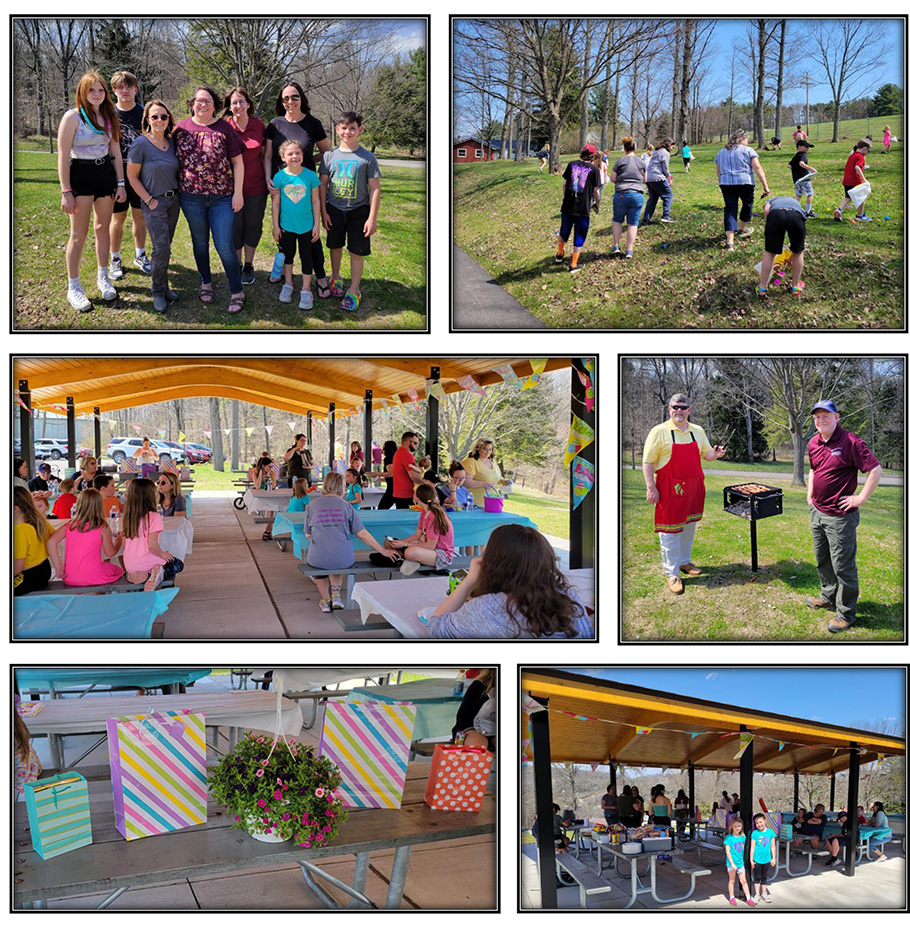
686	153
354	492
299	497
734	851
762	851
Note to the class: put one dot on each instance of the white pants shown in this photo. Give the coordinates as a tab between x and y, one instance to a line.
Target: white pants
676	549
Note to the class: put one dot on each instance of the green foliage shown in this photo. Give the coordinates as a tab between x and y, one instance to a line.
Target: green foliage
397	107
522	426
290	793
728	423
117	50
889	98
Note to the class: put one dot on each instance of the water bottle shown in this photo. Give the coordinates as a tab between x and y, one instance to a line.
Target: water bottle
458	691
56	488
278	266
115	521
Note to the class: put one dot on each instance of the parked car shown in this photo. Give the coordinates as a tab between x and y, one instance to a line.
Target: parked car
50	449
203	453
122	447
177	450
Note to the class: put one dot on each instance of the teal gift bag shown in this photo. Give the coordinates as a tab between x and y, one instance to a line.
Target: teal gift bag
58	814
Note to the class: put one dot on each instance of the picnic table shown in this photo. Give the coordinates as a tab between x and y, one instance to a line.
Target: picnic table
111	865
472	528
436	704
31	680
236	710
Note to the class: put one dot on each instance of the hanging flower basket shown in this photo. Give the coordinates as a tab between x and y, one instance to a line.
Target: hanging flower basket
280	791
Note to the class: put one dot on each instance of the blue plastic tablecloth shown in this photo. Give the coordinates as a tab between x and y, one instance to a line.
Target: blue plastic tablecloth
109	615
472	528
436	706
42	679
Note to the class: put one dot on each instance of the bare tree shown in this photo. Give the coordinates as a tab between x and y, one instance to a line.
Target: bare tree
215	421
780	78
31	35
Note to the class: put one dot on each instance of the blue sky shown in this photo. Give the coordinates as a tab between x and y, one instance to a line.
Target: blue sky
836	696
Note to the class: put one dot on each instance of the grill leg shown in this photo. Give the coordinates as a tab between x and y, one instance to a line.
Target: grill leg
754	547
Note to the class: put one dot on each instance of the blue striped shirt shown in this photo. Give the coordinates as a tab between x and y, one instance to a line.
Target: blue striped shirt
736	165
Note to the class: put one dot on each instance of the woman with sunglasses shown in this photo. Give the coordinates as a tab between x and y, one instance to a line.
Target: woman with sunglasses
211	189
170	502
154	173
88	468
293	121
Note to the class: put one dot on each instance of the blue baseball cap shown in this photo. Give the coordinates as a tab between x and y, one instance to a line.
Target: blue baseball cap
825	405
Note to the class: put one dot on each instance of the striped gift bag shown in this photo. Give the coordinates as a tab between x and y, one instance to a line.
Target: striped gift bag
370	743
58	814
157	772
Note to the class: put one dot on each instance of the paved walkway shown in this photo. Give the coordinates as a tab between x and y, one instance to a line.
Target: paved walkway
781	476
480	304
403	163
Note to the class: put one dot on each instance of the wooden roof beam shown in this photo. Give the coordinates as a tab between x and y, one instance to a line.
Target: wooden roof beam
617	747
710	749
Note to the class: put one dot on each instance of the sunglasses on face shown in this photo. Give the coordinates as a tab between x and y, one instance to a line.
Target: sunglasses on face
680	407
291	97
158	116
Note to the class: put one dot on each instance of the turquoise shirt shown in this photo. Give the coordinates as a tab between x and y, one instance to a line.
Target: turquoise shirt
352	490
736	845
763	841
299	504
296	210
686	152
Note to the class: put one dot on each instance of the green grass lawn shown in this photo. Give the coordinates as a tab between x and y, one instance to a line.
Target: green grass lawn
549	514
728	603
507	214
394	282
781	466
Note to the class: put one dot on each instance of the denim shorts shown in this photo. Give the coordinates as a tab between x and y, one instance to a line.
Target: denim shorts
627	207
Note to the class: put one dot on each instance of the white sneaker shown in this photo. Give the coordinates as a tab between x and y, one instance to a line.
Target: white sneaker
144	263
766	897
116	269
287	292
306	300
409	567
108	291
77	298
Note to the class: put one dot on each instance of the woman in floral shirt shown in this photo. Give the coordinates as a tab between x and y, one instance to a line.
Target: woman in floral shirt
211	189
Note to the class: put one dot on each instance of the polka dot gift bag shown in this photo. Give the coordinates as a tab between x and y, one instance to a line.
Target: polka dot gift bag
458	778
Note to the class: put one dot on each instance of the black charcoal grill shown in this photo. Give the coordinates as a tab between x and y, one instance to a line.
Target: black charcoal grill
753	501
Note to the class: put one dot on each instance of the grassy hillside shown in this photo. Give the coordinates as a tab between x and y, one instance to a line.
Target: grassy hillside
506	215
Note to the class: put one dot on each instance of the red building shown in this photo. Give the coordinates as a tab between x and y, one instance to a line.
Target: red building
473	150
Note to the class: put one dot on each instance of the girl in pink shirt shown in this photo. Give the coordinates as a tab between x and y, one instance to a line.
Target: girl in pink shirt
433	542
88	542
143	558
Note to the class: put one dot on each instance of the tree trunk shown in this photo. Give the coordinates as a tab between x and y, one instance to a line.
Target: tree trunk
780	79
615	110
265	420
633	103
759	100
674	106
748	417
555	132
730	111
799	454
584	103
217	445
235	435
685	80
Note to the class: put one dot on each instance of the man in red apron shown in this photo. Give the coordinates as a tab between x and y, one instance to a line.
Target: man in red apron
671	464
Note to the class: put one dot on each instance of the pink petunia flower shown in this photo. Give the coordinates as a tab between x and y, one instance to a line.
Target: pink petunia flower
320	792
236	818
260	772
285	817
260	739
277	794
261	803
265	762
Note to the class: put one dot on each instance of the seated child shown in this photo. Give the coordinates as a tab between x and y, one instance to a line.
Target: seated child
31	566
64	504
88	540
28	764
354	492
299	497
143	558
109	500
432	544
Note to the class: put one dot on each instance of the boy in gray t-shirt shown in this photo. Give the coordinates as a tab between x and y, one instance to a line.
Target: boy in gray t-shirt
350	187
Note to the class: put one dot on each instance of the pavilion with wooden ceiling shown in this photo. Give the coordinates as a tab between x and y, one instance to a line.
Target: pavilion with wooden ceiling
586	720
306	386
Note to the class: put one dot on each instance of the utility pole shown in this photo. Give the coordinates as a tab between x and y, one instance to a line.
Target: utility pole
805	79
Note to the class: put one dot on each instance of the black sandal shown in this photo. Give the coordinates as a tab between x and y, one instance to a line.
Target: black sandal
266	535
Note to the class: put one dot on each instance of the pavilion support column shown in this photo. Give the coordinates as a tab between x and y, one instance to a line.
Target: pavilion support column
432	449
331	434
692	792
543	794
852	814
745	796
796	791
26	432
368	429
97	420
613	772
309	429
833	777
70	432
582	519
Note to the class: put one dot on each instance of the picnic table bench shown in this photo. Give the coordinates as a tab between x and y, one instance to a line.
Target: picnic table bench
111	865
588	882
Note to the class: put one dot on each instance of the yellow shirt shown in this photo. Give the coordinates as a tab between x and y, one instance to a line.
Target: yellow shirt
27	545
482	471
659	444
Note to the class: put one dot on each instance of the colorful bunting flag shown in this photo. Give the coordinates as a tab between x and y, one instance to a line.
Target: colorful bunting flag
384	402
181	436
269	428
249	431
469	383
208	434
227	430
745	739
537	367
589	389
580	435
530	706
22	404
412	394
780	745
594	768
507	374
435	390
582	480
137	428
291	425
161	432
112	424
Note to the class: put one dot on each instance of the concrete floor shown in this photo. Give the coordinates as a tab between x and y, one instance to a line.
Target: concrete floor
468	865
875	886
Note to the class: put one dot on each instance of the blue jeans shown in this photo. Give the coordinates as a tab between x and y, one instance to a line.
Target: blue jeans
627	207
658	189
212	212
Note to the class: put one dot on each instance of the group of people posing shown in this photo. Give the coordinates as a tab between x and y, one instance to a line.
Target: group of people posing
737	165
220	166
103	536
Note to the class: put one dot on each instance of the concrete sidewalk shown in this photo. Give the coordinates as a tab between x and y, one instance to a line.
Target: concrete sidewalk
480	304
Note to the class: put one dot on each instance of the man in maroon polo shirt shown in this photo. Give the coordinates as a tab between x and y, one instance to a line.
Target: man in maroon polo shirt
834	457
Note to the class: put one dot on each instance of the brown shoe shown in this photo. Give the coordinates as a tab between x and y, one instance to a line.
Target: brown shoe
815	602
691	569
839	624
675	584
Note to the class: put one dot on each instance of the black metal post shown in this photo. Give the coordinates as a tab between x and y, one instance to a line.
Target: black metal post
582	518
831	806
309	429
796	791
745	797
692	792
852	813
432	446
26	434
368	429
613	773
543	792
98	437
754	536
331	434
70	432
